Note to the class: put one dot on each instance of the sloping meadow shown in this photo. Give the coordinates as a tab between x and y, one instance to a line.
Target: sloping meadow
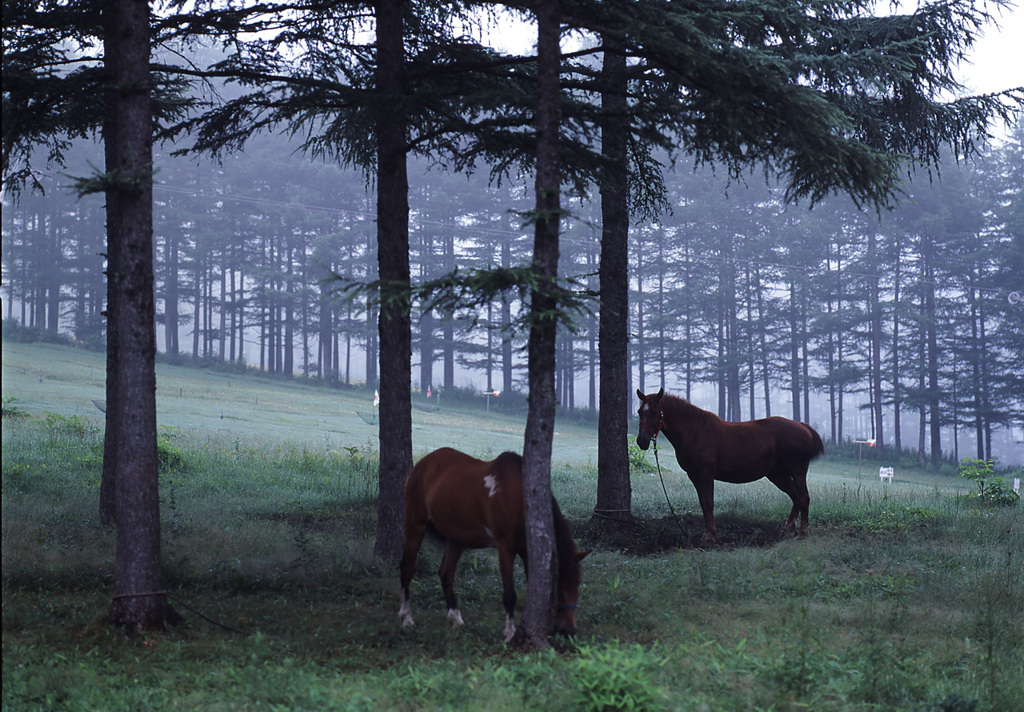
903	597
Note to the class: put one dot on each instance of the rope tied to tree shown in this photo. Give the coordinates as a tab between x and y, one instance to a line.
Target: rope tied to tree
181	603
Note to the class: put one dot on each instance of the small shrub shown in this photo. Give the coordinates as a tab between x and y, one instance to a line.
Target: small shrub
992	491
638	462
67	426
11	409
169	457
616	677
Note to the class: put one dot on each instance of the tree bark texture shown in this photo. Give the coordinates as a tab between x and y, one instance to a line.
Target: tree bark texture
139	601
540	421
614	491
393	265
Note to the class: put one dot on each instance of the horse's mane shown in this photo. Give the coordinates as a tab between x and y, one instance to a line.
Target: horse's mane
677	410
513	459
565	545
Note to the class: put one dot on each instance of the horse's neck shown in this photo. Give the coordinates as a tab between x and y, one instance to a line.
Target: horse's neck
679	415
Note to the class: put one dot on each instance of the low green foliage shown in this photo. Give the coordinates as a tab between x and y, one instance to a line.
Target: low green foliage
11	409
638	462
992	491
614	677
67	426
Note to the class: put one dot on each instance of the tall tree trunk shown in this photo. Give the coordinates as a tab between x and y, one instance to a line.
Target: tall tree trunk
794	352
139	600
506	322
171	296
614	490
931	334
540	421
197	318
897	391
984	387
641	346
223	329
288	340
326	337
762	329
393	266
875	317
427	349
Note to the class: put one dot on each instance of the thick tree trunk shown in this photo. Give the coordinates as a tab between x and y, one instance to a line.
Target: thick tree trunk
540	421
139	601
614	491
393	265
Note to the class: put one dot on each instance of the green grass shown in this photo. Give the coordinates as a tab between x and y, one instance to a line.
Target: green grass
904	597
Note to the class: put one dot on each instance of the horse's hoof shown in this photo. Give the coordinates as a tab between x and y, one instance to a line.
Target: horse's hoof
455	617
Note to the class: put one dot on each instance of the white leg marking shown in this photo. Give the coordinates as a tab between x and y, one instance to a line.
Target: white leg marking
405	613
455	617
510	629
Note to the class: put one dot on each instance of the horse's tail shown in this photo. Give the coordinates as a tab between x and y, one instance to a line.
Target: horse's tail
819	445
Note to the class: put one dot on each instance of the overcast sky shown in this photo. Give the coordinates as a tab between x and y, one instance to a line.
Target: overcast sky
998	59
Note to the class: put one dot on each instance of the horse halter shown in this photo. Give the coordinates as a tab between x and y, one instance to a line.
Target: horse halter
661	424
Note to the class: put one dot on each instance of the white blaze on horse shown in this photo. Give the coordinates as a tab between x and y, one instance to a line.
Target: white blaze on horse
473	504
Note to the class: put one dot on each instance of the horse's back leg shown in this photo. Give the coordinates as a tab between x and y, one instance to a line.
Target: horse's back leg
415	528
506	563
802	498
793	481
452	552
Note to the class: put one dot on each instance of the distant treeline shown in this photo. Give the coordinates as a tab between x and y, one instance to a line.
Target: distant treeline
813	314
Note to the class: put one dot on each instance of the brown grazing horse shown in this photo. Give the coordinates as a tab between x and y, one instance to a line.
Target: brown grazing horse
472	504
710	449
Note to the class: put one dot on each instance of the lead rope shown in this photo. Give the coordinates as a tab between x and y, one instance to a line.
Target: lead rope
182	603
665	489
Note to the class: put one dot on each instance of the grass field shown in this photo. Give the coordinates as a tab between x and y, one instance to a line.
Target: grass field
905	597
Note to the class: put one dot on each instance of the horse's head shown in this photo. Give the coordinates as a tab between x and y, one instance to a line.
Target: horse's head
651	420
568	593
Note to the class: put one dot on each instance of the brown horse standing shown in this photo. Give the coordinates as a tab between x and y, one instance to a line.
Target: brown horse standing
710	449
473	504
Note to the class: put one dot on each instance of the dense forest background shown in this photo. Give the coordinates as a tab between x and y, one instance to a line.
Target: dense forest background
899	326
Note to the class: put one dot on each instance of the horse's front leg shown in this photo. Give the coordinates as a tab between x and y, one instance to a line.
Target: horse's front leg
506	564
704	483
452	552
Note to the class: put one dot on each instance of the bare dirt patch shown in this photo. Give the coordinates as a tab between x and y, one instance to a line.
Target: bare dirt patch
650	537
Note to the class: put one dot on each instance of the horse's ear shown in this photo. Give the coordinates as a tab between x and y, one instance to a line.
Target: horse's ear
582	555
639	394
661	392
